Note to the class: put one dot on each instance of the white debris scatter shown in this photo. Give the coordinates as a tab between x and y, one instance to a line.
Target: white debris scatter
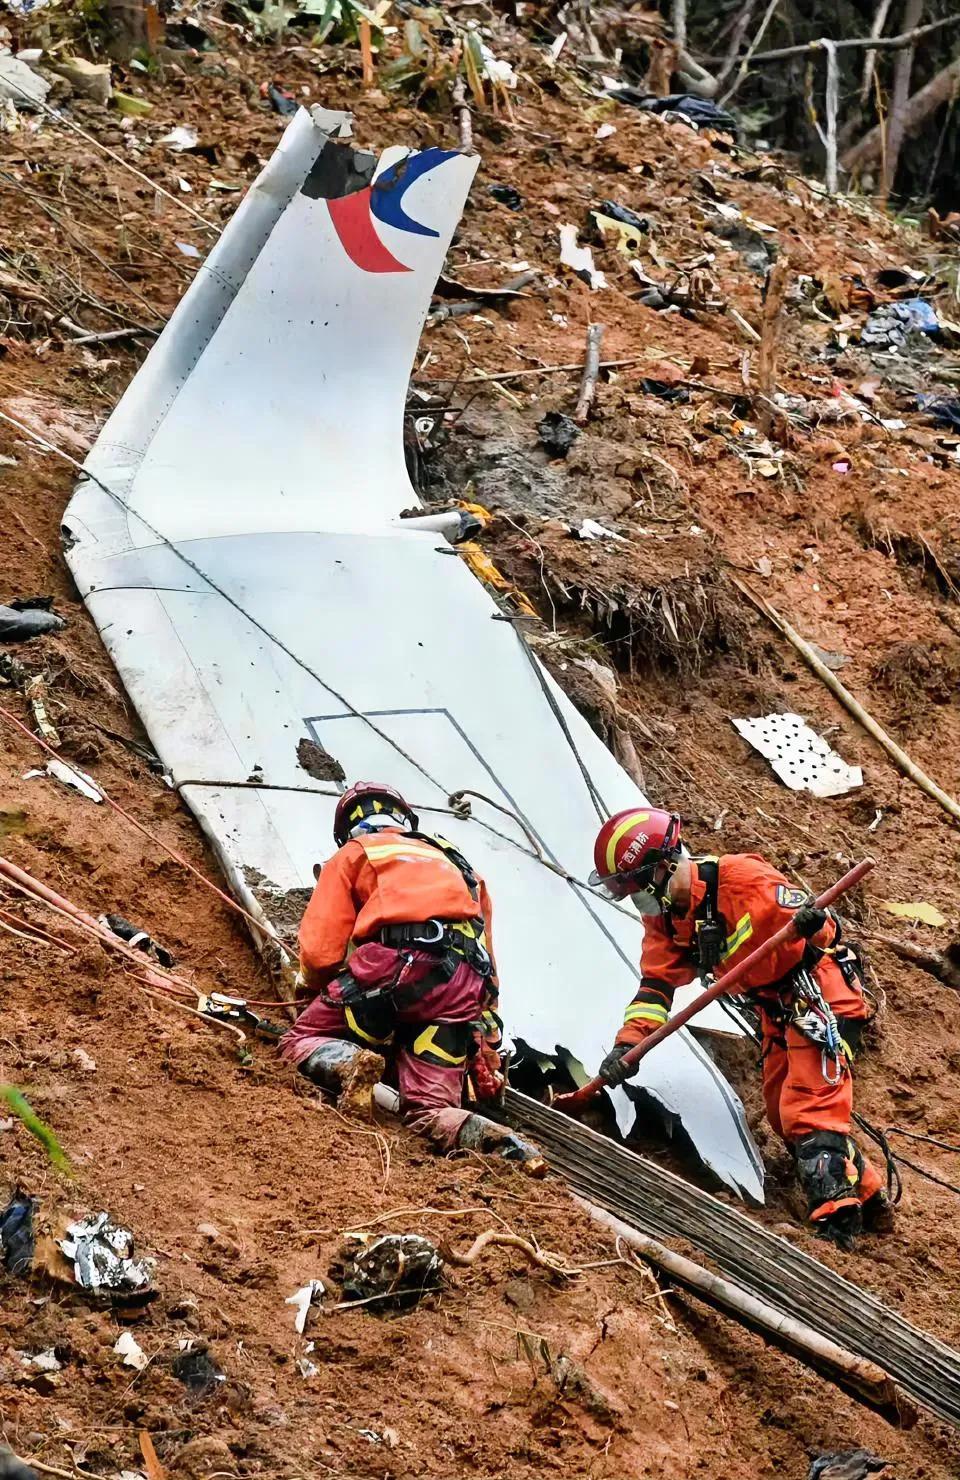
579	259
133	1355
83	1061
591	530
69	776
180	139
303	1299
799	756
102	1255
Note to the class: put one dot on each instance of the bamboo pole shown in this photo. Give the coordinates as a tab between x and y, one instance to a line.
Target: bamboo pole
869	1381
896	753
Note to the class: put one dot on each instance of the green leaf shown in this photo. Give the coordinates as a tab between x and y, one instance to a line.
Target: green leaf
38	1128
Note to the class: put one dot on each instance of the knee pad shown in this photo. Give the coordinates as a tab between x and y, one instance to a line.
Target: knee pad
441	1045
829	1167
329	1064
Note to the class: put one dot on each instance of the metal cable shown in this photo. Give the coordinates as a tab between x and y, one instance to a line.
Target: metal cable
602	810
341	699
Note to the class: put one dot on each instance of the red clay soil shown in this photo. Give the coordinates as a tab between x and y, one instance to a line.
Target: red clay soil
234	1179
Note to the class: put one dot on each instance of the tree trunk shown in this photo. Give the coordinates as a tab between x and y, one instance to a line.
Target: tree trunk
900	97
679	22
135	25
938	91
870	60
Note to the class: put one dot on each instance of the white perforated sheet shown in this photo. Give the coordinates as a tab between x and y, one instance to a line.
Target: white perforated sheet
800	757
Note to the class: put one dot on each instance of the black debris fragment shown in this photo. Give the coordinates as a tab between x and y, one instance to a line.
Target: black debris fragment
138	938
508	196
197	1371
16	1233
557	433
31	617
697	111
392	1270
848	1464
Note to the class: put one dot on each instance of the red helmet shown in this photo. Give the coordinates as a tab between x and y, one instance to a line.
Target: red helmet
635	851
370	799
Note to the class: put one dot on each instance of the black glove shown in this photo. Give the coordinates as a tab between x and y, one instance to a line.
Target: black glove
613	1070
809	920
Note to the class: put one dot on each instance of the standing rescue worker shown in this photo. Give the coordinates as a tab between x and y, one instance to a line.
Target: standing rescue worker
395	950
703	916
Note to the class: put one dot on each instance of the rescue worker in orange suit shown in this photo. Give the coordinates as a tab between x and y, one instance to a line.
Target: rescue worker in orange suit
704	916
396	954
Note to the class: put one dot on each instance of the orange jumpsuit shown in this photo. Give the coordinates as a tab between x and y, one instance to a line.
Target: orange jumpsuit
384	878
390	878
755	901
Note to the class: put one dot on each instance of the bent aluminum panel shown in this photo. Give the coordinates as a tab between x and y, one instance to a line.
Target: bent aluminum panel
263	438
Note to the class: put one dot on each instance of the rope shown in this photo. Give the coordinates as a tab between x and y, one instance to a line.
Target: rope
894	1181
261	926
602	810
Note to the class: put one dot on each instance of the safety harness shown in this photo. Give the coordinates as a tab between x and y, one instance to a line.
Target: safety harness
795	998
451	942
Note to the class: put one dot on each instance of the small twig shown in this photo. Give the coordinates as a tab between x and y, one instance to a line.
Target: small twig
396	1213
536	370
742	324
464	121
591	369
38	1464
331	1310
111	334
511	1241
859	43
383	1147
750	52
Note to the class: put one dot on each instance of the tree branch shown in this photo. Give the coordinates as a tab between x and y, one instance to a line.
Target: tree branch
750	53
860	43
870	60
936	92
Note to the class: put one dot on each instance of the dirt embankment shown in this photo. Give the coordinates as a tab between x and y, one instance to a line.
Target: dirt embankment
237	1182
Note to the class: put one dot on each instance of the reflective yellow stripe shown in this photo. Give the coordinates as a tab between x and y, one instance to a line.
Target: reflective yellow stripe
410	851
743	932
632	821
355	1027
649	1012
425	1044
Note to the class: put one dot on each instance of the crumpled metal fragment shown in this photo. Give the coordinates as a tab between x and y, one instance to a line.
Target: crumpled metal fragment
102	1255
389	1269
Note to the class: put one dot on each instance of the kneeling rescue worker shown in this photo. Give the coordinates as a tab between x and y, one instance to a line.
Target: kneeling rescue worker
704	915
396	953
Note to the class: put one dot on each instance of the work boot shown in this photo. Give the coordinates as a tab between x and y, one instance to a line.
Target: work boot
840	1226
480	1134
878	1214
346	1071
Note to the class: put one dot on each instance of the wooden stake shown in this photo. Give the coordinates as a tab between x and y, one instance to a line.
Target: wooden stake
366	52
464	121
770	336
591	369
899	756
